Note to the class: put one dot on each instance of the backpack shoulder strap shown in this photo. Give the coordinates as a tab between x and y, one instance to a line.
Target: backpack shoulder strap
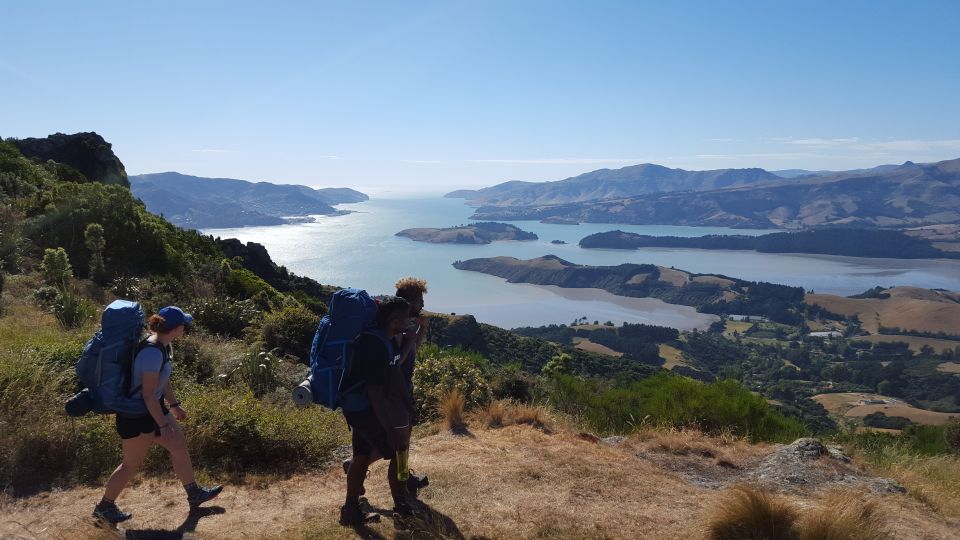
145	343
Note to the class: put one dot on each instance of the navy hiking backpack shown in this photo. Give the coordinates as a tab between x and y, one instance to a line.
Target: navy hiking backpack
352	311
104	368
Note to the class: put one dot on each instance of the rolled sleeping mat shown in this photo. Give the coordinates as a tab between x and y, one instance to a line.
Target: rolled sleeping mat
303	394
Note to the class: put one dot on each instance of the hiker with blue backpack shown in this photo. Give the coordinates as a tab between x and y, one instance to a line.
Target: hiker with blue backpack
378	410
130	377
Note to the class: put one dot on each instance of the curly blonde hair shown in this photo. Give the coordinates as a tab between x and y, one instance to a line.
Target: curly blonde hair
410	286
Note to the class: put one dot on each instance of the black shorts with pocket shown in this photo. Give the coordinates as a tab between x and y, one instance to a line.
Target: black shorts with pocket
129	428
368	434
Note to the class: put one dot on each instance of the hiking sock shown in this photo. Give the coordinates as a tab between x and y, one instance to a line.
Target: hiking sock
192	489
106	503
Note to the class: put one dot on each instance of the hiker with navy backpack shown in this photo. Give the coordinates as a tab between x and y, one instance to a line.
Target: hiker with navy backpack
131	378
377	408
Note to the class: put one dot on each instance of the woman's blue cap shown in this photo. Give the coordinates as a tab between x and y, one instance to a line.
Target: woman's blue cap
174	317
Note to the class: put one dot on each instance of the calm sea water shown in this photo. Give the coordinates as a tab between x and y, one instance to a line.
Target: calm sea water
360	250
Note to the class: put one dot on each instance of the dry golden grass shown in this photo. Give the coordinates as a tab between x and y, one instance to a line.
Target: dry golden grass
920	416
495	414
586	345
915	342
514	482
949	367
746	513
451	410
909	308
677	278
672	356
532	415
844	515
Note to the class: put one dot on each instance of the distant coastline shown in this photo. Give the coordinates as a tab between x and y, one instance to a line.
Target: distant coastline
874	243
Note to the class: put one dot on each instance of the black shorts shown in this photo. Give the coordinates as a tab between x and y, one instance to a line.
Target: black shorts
129	428
368	434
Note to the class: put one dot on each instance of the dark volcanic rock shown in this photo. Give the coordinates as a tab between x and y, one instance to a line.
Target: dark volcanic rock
89	153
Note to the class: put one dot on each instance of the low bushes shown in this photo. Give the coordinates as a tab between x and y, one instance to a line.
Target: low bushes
232	431
437	372
672	401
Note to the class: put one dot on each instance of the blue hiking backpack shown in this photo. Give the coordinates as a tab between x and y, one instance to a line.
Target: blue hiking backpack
104	368
352	311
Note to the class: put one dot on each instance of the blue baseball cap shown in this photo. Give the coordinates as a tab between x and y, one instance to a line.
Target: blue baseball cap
174	317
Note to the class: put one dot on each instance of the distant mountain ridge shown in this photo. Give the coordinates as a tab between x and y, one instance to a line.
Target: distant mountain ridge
197	202
601	184
904	196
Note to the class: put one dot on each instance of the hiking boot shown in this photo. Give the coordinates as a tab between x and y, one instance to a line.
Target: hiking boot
415	483
110	513
352	515
200	495
403	508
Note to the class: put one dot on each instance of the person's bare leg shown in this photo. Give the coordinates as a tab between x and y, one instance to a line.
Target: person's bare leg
134	452
176	446
356	474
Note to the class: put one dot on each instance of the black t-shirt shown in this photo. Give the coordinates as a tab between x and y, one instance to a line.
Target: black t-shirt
371	363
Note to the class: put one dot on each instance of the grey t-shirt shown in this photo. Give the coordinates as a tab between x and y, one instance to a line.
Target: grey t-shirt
149	360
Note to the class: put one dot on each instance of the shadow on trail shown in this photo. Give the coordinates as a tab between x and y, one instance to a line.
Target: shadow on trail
185	529
426	522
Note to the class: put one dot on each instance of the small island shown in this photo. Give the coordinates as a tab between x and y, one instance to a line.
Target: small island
557	220
477	233
558	242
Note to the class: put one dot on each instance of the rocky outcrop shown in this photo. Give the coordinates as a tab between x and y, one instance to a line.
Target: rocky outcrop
88	153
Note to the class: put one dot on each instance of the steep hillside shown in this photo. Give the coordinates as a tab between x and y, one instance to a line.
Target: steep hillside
910	195
196	202
612	183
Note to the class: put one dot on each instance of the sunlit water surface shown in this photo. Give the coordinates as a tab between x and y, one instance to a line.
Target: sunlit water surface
361	250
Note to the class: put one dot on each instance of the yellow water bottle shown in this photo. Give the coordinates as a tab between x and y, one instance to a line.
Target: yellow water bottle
403	465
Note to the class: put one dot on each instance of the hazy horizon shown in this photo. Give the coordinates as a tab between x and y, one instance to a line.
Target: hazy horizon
434	96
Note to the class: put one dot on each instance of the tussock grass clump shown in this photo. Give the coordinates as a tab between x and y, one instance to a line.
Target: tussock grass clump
744	512
495	414
451	410
533	415
747	513
843	515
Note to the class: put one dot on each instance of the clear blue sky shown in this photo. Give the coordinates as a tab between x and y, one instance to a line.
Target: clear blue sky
436	95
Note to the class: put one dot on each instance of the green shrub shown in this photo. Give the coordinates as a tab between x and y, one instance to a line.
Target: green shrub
42	446
224	316
290	331
512	383
46	297
56	267
73	310
93	237
672	401
951	435
437	372
232	431
126	287
259	372
244	284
